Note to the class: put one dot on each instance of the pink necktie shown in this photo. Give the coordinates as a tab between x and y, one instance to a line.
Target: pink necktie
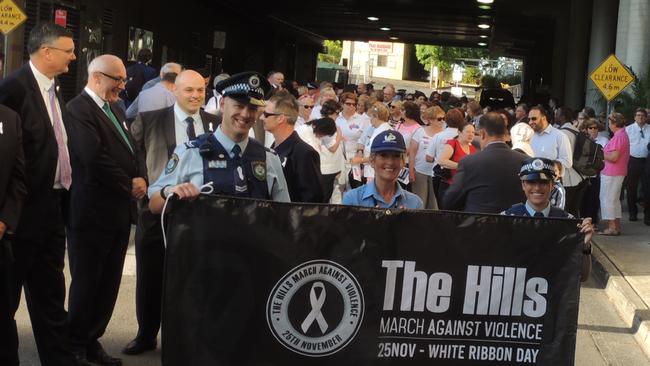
65	171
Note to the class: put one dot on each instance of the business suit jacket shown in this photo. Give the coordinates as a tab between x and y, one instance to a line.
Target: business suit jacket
12	168
155	137
19	91
487	182
103	167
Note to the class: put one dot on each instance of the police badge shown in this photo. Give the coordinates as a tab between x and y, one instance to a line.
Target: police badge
259	169
171	164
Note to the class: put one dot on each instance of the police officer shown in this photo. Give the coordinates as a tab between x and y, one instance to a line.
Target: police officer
387	159
537	178
227	160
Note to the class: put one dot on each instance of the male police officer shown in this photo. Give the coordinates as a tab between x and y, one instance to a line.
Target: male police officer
537	179
234	164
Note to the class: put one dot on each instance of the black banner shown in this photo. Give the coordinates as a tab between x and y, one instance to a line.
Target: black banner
260	283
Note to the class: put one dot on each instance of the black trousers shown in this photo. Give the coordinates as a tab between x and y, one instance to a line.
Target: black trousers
96	262
574	197
328	186
36	263
636	174
591	199
150	259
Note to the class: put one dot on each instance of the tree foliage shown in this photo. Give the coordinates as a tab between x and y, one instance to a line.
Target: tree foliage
334	51
444	57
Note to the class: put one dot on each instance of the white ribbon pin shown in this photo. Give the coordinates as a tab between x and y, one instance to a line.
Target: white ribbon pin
316	306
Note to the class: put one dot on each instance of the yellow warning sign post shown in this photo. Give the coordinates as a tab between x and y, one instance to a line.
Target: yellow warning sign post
11	16
611	77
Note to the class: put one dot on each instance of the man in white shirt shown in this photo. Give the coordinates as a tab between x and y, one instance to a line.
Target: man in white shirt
639	135
159	96
548	142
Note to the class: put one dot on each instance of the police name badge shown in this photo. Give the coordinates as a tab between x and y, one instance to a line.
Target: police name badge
218	164
171	164
259	169
316	308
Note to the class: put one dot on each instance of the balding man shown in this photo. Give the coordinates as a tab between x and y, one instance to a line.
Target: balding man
157	133
109	178
161	95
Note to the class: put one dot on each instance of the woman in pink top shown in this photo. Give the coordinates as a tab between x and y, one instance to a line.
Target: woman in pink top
617	154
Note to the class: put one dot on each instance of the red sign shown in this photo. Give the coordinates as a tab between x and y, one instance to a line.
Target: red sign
381	48
61	17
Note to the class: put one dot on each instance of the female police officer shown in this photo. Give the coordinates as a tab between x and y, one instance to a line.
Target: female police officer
387	159
537	179
227	159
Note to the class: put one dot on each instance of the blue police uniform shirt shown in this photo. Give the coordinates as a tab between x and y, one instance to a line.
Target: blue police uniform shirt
367	196
186	166
526	209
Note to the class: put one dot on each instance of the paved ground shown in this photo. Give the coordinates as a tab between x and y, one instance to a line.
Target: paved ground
603	338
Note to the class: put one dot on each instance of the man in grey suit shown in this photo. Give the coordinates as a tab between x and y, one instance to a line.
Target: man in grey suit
488	181
156	134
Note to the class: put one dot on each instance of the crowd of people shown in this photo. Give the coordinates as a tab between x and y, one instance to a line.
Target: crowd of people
73	174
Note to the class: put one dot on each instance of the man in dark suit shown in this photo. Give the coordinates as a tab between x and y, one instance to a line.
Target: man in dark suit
12	194
487	181
38	244
156	134
108	176
300	162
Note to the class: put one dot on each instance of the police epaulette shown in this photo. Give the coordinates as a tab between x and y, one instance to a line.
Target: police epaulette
268	149
198	142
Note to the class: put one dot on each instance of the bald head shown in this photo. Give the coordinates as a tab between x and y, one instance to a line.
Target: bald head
106	77
190	91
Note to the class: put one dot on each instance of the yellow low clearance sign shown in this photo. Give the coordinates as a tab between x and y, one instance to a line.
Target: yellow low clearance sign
611	77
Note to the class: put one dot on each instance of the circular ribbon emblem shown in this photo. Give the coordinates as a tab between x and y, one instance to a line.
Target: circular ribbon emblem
316	309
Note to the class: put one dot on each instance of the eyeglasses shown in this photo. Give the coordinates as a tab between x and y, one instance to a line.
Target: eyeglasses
532	119
268	114
308	106
350	104
592	127
68	51
118	79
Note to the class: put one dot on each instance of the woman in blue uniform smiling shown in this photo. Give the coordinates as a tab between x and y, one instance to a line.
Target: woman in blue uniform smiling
387	158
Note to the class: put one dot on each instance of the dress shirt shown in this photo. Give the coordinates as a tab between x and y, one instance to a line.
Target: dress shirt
553	144
44	85
180	126
638	143
532	211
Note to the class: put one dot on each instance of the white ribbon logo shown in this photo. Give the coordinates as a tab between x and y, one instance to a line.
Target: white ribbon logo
316	305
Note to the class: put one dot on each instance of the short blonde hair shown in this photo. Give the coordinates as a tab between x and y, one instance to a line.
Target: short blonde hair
379	111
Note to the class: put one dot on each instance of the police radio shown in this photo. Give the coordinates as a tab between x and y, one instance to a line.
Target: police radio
206	150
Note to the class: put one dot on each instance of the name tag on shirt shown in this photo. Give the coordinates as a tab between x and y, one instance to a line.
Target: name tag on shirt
217	164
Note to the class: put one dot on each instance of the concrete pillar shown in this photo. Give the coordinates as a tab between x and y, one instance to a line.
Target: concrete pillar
577	52
602	44
633	35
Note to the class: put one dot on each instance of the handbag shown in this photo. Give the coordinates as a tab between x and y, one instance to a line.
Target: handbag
442	172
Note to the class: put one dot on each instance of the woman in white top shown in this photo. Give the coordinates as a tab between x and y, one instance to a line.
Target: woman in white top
421	171
306	105
351	125
379	115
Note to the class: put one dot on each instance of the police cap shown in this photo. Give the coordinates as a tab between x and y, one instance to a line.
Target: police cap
388	140
247	87
537	169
